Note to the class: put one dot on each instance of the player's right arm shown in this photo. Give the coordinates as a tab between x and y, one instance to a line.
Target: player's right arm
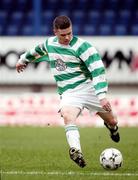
34	55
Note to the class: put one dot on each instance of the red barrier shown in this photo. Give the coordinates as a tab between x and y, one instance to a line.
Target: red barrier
42	110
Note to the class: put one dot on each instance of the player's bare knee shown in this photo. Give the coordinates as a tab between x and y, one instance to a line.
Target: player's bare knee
68	117
69	114
68	121
112	122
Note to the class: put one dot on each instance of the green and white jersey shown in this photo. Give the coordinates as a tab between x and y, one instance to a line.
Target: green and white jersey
72	65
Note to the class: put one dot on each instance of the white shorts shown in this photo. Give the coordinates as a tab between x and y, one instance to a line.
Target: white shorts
82	98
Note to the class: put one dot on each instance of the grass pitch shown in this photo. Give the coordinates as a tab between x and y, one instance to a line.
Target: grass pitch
34	153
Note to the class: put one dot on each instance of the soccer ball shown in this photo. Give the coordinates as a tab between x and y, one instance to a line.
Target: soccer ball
111	159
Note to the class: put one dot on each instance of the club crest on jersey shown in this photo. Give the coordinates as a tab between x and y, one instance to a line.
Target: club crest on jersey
60	65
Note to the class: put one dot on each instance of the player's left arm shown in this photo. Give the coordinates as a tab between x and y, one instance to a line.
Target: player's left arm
95	65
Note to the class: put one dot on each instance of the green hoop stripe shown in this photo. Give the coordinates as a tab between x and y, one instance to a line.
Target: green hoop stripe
93	58
70	128
70	86
68	76
39	51
83	48
100	85
98	71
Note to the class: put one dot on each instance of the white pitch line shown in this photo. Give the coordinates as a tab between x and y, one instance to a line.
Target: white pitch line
66	173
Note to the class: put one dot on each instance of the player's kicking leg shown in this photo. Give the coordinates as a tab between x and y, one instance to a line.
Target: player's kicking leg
113	132
111	124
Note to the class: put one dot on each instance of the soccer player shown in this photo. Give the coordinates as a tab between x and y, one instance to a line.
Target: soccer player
80	76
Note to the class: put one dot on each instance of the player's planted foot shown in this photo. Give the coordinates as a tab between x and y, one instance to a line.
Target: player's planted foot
77	157
113	133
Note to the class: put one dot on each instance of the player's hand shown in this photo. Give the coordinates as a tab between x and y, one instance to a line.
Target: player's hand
106	105
20	67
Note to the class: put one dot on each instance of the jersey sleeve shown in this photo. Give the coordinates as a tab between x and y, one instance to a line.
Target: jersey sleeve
89	55
37	54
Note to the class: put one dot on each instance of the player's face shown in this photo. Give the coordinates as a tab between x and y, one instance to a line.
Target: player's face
64	35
